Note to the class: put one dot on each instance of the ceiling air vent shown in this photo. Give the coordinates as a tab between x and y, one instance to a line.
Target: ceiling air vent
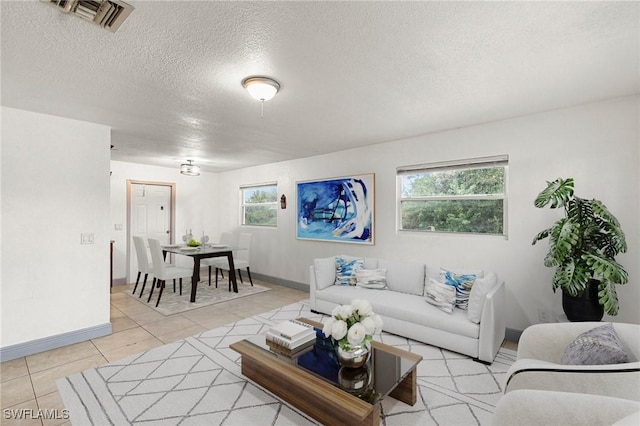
109	14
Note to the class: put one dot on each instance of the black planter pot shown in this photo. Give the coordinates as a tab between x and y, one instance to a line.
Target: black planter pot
584	307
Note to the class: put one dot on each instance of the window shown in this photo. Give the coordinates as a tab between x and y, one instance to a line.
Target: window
467	196
259	205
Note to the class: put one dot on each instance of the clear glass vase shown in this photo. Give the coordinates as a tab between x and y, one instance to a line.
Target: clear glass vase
354	356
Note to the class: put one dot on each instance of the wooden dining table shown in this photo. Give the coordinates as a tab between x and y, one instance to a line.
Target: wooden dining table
203	252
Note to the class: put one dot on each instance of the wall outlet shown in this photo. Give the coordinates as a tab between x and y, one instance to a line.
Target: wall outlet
544	315
86	238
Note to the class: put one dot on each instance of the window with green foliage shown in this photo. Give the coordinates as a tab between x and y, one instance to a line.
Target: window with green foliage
260	205
466	196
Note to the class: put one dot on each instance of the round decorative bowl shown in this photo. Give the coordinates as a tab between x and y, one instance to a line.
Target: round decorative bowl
354	357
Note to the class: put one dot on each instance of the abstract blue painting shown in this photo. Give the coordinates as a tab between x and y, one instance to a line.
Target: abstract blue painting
337	209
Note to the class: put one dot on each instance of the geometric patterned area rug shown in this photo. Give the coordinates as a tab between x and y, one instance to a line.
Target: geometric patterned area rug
197	381
173	303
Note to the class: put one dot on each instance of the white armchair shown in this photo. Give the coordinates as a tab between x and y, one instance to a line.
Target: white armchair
538	364
537	407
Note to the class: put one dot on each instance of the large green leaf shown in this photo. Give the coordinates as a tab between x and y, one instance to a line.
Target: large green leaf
541	236
609	239
571	277
579	210
608	297
601	210
557	193
607	268
564	236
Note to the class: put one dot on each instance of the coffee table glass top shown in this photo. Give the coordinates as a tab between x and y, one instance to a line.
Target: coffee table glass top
382	373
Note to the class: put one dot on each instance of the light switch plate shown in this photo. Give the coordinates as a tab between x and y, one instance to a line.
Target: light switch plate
86	238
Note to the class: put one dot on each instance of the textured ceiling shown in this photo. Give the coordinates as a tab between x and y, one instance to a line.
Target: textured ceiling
168	82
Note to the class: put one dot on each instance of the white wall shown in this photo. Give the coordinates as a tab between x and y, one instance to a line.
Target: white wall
597	144
55	186
197	207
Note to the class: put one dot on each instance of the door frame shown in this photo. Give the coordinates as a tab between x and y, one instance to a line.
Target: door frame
172	215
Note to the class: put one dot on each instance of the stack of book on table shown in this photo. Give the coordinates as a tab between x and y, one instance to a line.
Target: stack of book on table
290	337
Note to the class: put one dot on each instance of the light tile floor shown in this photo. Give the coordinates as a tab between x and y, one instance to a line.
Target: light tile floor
28	383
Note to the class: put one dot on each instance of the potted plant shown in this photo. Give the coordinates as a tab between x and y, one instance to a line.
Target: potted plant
582	247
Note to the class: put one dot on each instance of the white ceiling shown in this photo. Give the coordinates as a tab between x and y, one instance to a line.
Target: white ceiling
168	82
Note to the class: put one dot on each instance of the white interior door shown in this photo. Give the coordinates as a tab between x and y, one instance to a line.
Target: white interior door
150	217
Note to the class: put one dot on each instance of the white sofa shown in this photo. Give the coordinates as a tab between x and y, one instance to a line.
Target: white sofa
405	312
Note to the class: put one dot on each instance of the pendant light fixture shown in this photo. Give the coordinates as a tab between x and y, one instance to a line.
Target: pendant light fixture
190	169
261	89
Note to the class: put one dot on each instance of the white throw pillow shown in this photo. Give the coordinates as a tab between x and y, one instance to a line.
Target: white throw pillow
325	270
440	295
479	291
371	278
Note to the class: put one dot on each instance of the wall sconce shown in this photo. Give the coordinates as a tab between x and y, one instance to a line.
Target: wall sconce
283	202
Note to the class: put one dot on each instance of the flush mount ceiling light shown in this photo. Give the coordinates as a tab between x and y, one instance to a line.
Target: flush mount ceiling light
190	169
261	89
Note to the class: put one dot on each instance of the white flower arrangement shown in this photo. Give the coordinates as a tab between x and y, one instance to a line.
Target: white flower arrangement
352	325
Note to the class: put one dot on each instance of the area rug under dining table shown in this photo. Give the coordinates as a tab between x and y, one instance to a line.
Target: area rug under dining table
197	381
174	303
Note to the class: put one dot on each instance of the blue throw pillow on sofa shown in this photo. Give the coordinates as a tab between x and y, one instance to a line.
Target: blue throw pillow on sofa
346	268
462	283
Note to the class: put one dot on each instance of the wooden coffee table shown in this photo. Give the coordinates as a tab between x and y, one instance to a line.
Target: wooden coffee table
309	382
